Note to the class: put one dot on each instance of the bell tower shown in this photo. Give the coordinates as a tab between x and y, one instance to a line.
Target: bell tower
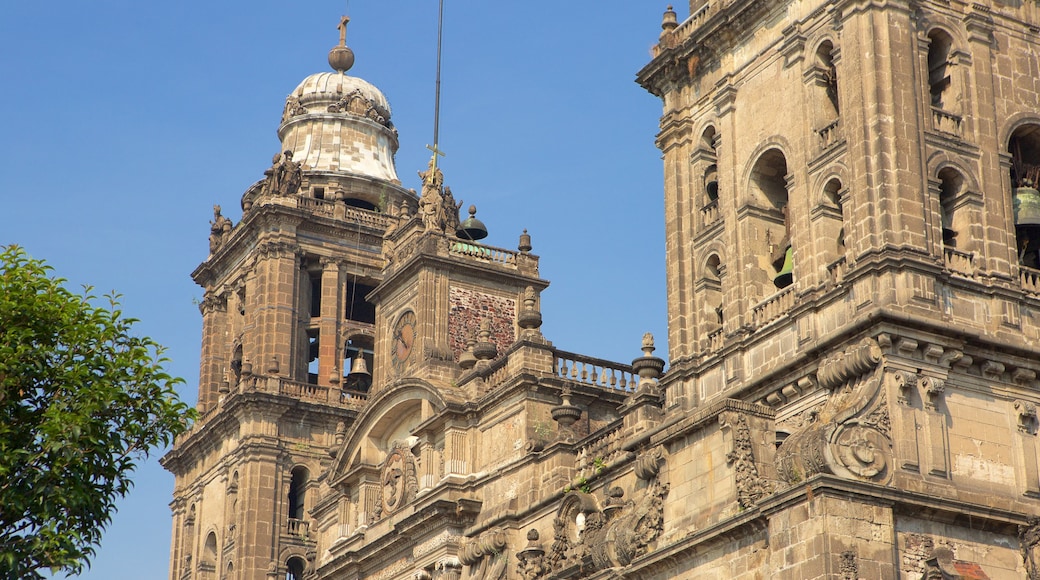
289	333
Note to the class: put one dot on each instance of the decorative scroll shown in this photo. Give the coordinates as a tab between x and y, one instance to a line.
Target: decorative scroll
484	557
358	104
593	539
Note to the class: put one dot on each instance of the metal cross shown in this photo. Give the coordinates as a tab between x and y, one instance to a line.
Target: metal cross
436	152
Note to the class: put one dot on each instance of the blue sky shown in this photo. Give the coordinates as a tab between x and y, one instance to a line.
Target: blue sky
127	120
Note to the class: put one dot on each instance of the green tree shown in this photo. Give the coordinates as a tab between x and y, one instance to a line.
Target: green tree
81	401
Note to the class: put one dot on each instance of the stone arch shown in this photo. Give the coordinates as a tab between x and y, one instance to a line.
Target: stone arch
705	173
299	480
409	396
823	57
1023	148
945	64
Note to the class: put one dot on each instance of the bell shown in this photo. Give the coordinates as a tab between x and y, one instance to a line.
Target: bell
472	229
784	276
359	377
1027	206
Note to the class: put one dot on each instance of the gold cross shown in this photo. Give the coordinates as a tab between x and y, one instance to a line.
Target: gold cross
343	30
436	152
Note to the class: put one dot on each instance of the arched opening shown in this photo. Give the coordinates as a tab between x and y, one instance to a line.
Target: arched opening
294	568
708	138
1024	147
829	79
209	552
951	184
714	266
769	188
298	492
832	192
358	361
711	183
940	80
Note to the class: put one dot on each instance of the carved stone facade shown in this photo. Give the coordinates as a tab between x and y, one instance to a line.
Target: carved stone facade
853	302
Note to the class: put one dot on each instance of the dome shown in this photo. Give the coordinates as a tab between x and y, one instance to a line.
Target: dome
339	123
331	87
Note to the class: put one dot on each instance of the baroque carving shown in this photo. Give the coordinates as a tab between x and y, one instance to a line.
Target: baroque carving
219	230
849	567
1029	544
293	108
484	557
852	437
398	480
750	485
595	539
284	177
357	103
532	564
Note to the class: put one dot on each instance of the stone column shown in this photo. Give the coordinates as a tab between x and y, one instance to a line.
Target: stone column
329	349
213	360
276	313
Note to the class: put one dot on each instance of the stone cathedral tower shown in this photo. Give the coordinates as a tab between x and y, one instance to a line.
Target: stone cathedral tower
852	233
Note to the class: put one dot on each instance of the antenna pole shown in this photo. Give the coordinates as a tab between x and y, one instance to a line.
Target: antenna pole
437	96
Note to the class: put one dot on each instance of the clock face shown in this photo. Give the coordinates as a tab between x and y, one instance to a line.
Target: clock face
403	339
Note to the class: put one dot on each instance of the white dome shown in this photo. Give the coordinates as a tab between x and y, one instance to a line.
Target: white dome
333	86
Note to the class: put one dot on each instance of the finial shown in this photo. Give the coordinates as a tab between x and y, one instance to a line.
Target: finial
341	58
525	242
669	22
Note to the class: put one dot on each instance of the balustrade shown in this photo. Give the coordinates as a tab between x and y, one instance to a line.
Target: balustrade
595	455
960	262
298	528
773	307
715	341
481	252
596	372
837	269
946	121
710	213
1030	279
829	133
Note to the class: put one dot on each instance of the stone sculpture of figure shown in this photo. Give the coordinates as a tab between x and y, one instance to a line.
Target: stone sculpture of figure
219	229
431	204
285	175
451	212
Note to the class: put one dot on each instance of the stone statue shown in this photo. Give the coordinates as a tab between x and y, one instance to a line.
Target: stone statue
219	230
451	212
285	175
431	204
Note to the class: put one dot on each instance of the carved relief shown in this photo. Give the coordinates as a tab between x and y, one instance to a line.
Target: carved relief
398	480
293	108
1026	415
357	104
853	436
532	563
596	539
1029	543
484	557
849	567
750	486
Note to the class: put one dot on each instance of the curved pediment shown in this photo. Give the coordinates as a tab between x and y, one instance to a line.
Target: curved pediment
388	417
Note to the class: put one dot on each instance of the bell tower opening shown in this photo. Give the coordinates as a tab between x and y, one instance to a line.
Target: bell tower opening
1024	147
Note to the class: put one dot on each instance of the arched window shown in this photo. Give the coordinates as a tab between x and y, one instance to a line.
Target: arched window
832	191
769	187
294	568
940	81
951	184
358	376
1024	147
298	492
829	79
209	552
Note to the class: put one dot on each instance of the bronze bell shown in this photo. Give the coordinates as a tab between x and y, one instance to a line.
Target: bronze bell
1027	206
472	229
359	377
785	275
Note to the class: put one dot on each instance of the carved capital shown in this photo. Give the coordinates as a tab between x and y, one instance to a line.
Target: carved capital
905	382
933	389
1026	416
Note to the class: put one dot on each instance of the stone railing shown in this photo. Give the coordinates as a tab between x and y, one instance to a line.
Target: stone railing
694	21
476	251
320	394
1030	279
710	213
946	121
342	211
960	262
837	269
298	528
318	206
773	307
593	371
829	133
597	454
715	341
